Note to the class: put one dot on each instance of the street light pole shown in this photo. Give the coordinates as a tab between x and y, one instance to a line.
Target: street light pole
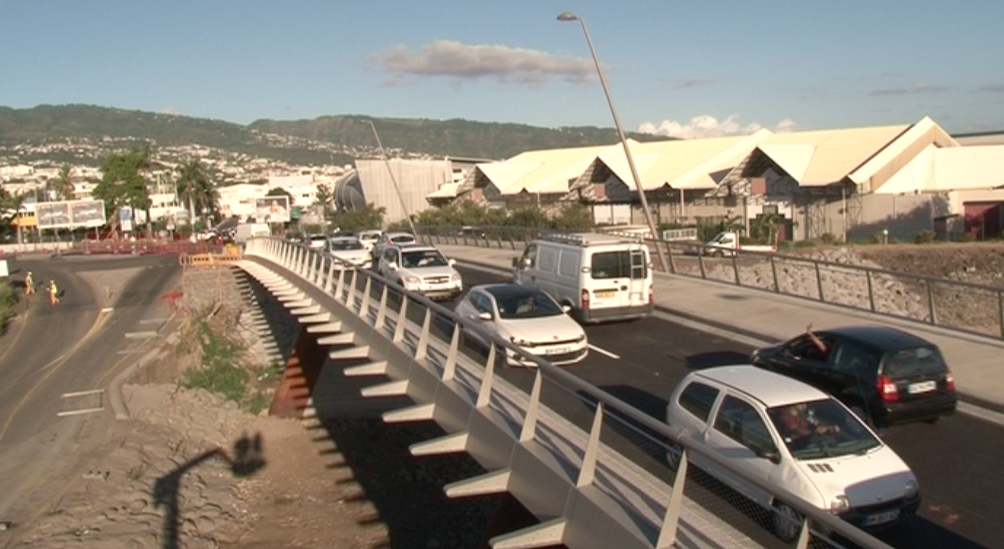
569	16
393	180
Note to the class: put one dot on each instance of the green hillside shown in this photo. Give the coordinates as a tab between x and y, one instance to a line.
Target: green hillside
327	139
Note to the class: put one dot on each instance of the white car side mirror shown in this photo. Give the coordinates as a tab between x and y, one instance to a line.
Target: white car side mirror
452	261
484	316
566	308
391	265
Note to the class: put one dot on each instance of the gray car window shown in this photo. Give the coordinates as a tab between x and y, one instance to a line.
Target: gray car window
698	399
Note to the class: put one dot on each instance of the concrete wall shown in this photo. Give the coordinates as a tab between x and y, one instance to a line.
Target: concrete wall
415	179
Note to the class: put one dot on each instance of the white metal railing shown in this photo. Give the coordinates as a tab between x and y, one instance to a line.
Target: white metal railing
590	465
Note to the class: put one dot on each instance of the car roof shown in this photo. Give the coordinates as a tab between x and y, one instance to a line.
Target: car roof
342	237
880	337
770	388
507	289
415	247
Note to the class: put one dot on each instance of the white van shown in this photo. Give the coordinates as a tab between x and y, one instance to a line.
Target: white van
600	276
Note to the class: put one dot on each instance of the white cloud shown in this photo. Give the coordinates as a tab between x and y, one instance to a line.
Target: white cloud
471	62
706	125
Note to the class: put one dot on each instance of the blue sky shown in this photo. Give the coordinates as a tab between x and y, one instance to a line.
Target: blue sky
689	69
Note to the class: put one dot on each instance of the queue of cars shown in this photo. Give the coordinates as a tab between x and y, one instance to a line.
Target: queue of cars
805	413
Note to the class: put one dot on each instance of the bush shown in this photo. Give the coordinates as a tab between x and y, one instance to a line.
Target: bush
8	303
924	237
828	238
219	371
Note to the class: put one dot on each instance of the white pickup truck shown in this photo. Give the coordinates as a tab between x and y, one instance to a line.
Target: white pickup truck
726	243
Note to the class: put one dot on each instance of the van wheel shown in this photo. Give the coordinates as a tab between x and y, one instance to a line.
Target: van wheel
787	522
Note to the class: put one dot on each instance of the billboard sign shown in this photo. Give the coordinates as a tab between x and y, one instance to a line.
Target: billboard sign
70	214
272	209
87	213
125	218
52	215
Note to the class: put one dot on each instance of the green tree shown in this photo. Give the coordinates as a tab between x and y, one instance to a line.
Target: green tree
122	182
10	205
325	198
361	219
196	189
574	217
63	183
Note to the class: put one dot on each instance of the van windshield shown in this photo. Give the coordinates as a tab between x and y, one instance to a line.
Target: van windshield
619	264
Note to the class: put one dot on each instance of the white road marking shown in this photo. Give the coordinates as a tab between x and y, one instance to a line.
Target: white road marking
603	351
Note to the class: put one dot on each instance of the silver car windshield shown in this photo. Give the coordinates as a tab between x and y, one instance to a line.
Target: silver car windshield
821	429
430	258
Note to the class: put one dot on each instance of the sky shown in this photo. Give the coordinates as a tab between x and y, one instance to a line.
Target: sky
688	69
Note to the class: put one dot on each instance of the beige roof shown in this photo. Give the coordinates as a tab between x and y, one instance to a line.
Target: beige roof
938	170
447	190
826	156
681	164
887	162
542	171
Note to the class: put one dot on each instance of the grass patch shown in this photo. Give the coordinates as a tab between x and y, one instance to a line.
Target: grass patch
220	370
8	303
223	369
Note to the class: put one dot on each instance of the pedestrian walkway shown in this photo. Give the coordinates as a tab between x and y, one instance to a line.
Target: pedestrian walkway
977	362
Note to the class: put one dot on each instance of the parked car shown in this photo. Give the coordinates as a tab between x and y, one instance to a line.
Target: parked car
369	238
317	241
421	269
527	317
390	239
886	375
781	431
350	250
725	244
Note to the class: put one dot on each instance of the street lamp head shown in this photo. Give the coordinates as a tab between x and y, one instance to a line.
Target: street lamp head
567	16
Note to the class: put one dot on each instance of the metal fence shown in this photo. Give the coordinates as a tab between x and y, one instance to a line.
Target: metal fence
564	448
953	304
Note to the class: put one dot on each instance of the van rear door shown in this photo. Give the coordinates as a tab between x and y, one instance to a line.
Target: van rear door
620	278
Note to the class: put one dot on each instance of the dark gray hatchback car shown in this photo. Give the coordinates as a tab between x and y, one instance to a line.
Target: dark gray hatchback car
886	375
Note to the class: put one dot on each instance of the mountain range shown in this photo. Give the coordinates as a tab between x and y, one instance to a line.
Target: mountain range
323	140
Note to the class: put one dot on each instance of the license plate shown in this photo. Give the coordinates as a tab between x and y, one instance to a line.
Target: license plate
922	387
603	294
881	518
557	350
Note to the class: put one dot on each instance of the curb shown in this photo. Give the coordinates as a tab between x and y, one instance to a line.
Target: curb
973	400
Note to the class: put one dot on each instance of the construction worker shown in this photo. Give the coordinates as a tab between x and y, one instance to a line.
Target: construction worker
29	284
53	292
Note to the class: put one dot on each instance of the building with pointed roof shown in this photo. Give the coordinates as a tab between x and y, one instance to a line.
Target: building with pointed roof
850	183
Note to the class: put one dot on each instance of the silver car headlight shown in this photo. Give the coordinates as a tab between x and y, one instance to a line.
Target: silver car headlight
839	504
411	280
911	488
455	277
581	337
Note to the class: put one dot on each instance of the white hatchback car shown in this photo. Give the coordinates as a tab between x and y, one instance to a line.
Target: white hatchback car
527	317
348	249
781	431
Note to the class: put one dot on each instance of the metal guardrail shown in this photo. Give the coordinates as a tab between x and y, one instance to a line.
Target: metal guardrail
967	307
590	465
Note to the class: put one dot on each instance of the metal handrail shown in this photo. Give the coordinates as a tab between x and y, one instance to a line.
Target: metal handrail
819	266
311	266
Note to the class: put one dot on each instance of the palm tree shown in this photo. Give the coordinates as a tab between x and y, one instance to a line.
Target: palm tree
196	189
63	183
10	206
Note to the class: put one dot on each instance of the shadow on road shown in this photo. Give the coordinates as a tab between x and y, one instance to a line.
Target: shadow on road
245	460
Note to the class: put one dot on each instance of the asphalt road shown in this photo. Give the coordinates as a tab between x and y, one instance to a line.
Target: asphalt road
957	460
77	345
